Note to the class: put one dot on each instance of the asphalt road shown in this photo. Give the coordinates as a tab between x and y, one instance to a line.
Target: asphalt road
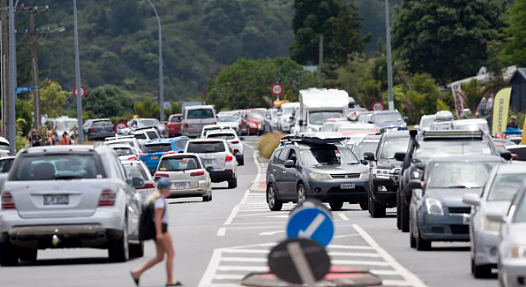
218	242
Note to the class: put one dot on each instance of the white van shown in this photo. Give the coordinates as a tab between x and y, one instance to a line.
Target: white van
195	118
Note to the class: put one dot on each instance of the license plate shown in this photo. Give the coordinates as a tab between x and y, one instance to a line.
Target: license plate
56	199
181	185
208	162
465	219
347	186
154	157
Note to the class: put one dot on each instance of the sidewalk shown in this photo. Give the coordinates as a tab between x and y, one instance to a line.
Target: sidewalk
259	184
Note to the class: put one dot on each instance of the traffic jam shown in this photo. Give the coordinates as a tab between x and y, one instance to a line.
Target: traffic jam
446	179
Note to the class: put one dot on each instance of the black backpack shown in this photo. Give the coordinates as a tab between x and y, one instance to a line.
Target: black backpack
146	224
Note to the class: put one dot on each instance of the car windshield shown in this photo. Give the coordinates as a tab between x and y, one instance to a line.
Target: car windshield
152	135
193	114
327	155
205	147
471	126
226	136
459	174
328	127
387	117
257	116
147	123
520	212
153	148
102	124
392	146
57	167
65	125
363	118
505	186
179	164
364	147
122	151
427	122
441	126
347	128
319	117
430	149
226	119
287	112
135	170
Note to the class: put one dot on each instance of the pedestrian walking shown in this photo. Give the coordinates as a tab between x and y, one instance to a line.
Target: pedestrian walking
163	239
35	138
66	139
482	106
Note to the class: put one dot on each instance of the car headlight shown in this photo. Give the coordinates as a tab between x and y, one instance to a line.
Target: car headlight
381	172
320	176
364	175
518	251
252	125
489	225
416	174
434	206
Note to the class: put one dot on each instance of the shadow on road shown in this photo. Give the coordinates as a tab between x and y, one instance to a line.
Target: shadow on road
68	261
454	249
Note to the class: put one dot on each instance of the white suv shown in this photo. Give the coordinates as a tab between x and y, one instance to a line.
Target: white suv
69	197
233	141
218	158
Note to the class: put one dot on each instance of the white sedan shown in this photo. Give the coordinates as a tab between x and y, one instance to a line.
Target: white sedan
125	152
233	141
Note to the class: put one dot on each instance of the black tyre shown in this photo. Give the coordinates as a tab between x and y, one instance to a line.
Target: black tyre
27	254
336	206
8	254
207	198
302	193
481	271
232	183
137	250
242	161
364	205
412	239
404	216
376	210
274	204
422	244
119	249
398	210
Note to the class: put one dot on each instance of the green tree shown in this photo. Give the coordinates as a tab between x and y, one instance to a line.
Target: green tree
446	38
24	110
515	34
108	101
148	109
338	22
425	85
52	98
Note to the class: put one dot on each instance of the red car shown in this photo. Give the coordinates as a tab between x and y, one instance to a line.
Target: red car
174	125
250	121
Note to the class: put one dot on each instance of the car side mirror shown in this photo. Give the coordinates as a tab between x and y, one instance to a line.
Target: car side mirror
241	138
368	156
506	155
290	164
405	118
137	182
496	216
471	199
364	162
399	156
209	168
370	122
300	122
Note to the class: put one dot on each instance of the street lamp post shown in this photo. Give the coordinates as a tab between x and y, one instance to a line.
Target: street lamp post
77	76
389	60
161	76
12	80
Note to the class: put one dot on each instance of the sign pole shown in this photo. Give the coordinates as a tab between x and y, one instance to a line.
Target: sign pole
301	264
77	75
12	80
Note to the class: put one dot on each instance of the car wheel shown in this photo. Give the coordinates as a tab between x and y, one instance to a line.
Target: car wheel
375	209
302	193
118	249
137	250
364	205
242	161
232	183
412	240
480	271
8	254
336	206
421	244
404	216
27	254
274	204
207	198
398	210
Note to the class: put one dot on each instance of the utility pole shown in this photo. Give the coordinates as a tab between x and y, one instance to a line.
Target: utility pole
5	70
12	79
389	60
320	63
34	62
161	76
77	75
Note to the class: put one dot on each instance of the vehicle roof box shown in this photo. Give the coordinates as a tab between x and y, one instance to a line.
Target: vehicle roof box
443	116
320	99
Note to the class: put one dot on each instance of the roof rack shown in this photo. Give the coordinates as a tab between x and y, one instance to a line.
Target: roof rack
317	138
452	134
118	138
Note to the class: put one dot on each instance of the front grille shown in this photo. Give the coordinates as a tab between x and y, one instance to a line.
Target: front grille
459	210
346	176
337	190
459	229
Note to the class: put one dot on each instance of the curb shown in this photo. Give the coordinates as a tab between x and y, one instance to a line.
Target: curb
259	184
333	279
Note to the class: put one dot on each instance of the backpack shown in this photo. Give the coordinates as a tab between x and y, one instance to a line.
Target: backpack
146	224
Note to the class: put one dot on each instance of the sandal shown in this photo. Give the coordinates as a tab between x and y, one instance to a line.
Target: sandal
135	279
176	284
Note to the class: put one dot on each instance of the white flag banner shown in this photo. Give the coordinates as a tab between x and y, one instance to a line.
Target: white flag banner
456	88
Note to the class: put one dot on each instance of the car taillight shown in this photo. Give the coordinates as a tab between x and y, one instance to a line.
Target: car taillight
146	186
92	128
198	173
107	198
229	158
234	142
7	201
132	158
161	175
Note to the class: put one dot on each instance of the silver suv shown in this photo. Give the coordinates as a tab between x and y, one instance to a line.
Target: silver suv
195	118
69	197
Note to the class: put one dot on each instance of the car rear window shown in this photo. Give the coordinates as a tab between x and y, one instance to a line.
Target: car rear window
152	135
226	136
206	147
179	164
140	136
175	119
121	151
57	167
102	124
157	148
200	114
135	170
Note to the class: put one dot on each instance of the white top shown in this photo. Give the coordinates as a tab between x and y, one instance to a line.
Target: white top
161	203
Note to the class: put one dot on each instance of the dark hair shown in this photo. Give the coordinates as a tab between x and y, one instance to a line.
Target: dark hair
65	133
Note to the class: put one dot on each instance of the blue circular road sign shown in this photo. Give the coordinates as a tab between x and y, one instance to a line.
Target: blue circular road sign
312	223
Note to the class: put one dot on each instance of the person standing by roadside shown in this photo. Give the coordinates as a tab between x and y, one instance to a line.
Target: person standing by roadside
513	123
482	106
50	140
489	105
66	140
489	119
35	138
163	239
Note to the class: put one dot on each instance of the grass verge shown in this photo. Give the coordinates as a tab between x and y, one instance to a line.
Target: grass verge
268	143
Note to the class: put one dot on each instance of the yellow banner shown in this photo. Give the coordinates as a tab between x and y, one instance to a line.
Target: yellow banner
501	108
523	140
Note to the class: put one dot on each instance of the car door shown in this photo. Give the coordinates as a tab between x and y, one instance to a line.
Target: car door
132	199
290	175
279	171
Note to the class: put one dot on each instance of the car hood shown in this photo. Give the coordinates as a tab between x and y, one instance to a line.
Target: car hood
389	163
390	124
451	197
330	169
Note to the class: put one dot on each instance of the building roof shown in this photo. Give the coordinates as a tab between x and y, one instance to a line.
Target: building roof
520	72
507	74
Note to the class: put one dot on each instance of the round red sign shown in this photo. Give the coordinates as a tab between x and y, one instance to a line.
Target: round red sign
82	89
277	89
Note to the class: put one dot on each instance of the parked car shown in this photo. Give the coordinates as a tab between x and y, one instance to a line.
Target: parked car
330	125
218	158
471	125
253	121
126	152
499	190
347	128
195	118
137	169
69	197
63	124
437	212
425	122
287	115
4	147
233	140
155	149
97	129
188	176
174	125
6	163
210	128
271	121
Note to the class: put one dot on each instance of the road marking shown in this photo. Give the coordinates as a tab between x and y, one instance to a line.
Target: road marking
342	216
315	224
351	247
395	283
269	233
347	235
242	268
243	259
358	262
253	251
384	272
278	216
221	231
256	161
210	271
228	277
232	215
411	278
244	199
356	254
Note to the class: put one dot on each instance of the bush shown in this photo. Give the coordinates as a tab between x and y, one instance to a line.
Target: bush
268	143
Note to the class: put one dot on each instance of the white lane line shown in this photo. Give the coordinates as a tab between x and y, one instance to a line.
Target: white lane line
208	276
243	259
333	246
347	235
253	251
270	233
228	277
242	268
355	254
278	223
358	262
395	283
411	278
384	272
250	227
256	161
221	231
232	215
244	199
342	216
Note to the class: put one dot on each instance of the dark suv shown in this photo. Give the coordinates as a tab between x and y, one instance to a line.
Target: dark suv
384	171
98	129
314	167
432	144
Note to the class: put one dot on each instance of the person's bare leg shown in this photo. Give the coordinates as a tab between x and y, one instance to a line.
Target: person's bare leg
159	257
169	249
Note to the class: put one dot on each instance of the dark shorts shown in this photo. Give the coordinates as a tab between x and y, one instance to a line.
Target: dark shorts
164	228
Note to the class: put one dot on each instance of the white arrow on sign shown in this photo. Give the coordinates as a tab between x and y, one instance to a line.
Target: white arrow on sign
270	233
307	233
